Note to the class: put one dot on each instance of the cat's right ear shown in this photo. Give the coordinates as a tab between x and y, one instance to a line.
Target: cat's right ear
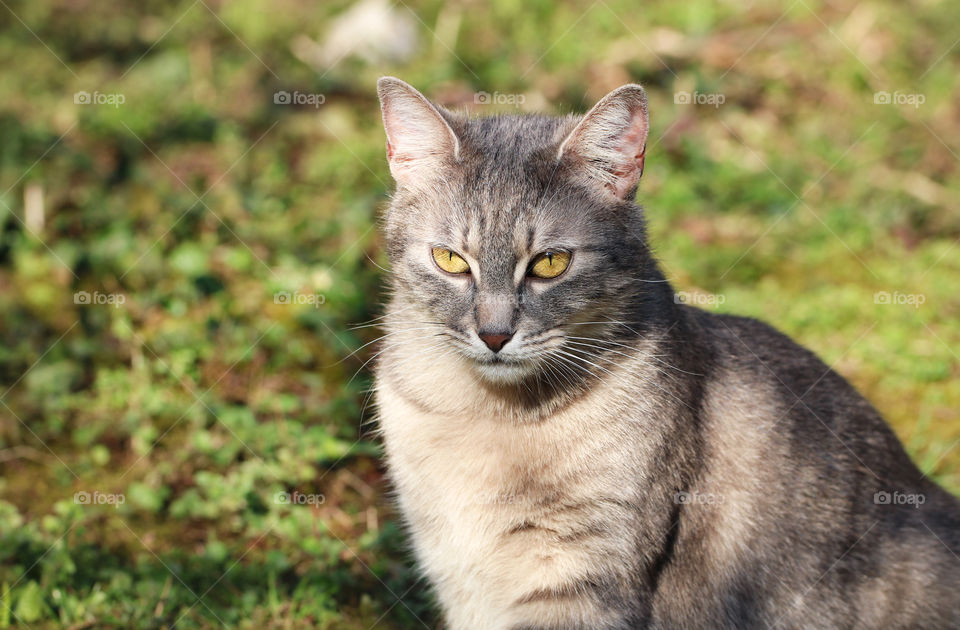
419	139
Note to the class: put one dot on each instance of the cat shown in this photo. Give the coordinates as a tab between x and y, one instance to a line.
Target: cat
572	448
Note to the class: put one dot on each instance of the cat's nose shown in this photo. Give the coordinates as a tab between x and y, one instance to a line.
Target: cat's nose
495	341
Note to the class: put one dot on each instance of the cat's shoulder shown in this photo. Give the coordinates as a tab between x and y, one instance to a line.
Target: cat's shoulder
743	339
745	349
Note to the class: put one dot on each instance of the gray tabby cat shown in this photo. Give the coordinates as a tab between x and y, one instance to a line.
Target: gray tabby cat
573	449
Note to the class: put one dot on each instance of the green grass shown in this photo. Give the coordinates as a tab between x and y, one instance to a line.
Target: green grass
198	399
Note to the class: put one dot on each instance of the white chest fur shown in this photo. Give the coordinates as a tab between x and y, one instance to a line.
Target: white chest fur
505	515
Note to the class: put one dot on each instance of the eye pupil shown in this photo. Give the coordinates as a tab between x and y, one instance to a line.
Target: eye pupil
450	261
549	264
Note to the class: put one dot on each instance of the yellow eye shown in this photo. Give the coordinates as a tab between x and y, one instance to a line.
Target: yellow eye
450	262
550	264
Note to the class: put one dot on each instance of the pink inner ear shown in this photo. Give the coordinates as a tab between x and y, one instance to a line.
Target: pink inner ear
632	147
629	166
633	142
611	141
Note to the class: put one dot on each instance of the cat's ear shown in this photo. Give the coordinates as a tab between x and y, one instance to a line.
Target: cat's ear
419	139
608	145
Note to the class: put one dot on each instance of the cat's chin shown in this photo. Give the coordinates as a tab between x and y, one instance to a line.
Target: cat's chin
504	372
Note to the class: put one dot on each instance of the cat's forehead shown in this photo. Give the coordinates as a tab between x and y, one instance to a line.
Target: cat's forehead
515	218
510	138
504	194
507	170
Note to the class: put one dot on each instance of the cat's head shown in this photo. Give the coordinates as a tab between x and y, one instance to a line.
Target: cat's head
517	236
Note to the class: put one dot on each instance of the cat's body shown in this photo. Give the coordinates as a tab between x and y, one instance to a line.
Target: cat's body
635	463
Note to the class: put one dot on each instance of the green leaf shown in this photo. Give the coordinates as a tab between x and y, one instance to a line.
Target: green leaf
29	603
5	606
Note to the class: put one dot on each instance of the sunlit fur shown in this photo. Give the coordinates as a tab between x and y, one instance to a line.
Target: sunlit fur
540	484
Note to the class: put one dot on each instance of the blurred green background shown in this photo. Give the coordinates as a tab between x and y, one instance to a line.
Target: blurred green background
189	194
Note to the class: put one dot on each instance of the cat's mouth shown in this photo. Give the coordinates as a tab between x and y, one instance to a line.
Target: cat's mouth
503	361
503	367
522	359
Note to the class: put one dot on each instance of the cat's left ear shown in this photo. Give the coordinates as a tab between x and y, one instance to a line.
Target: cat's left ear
419	139
608	145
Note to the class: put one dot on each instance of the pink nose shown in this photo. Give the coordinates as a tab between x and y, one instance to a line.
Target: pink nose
495	341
